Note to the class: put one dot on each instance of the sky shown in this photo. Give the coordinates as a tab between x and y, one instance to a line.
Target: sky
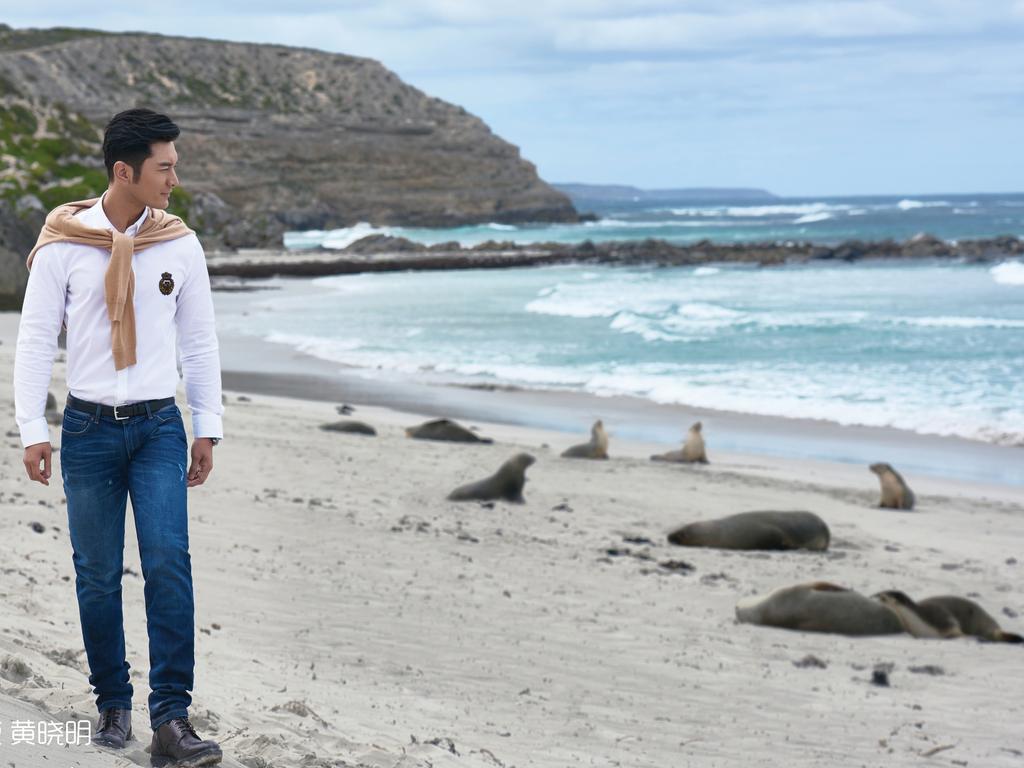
800	97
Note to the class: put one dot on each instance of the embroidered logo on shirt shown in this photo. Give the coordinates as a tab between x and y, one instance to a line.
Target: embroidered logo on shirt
166	284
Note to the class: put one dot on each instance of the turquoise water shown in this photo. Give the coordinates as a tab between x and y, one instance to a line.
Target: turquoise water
823	220
927	347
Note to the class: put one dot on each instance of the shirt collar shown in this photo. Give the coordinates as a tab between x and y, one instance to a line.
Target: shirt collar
97	217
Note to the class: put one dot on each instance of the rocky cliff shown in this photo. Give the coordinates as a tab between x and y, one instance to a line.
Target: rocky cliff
273	138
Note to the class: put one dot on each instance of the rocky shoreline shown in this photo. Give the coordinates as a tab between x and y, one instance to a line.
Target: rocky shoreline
381	253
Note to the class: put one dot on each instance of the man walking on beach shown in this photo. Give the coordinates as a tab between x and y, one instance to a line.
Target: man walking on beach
126	279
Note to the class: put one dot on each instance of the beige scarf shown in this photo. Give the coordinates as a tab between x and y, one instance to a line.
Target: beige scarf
62	226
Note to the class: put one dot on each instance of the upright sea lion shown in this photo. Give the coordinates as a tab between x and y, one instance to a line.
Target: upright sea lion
972	618
597	448
896	494
820	607
443	429
919	619
756	530
692	451
349	426
507	483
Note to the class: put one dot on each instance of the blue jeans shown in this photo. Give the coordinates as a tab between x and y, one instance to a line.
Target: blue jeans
102	463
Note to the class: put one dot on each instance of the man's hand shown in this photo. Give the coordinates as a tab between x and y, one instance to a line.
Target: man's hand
202	461
34	454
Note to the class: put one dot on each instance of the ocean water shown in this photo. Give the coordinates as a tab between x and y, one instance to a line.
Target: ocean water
934	348
822	220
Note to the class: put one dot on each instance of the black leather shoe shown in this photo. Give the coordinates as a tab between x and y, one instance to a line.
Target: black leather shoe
178	740
114	728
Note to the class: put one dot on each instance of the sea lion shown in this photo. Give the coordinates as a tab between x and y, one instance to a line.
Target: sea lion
972	618
507	483
350	426
444	429
896	494
820	607
692	451
919	619
756	530
597	448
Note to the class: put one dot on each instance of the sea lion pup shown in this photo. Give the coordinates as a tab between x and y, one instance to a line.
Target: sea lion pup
351	427
597	448
444	429
896	494
820	607
692	451
756	530
507	483
972	618
919	619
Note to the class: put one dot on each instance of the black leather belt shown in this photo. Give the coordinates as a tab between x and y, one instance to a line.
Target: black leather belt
119	412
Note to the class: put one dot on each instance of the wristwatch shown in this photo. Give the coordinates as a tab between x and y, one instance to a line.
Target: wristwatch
214	440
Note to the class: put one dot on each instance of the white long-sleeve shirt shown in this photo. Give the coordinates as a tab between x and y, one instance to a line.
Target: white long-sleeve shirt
65	286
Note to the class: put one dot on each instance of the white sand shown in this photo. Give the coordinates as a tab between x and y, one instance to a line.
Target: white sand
363	617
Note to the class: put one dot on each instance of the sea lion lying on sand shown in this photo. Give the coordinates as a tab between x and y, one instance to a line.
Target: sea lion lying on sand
820	607
946	616
896	494
444	429
824	607
507	483
597	448
756	530
972	618
351	427
931	621
692	452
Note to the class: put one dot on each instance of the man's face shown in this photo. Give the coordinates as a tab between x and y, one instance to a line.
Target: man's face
157	177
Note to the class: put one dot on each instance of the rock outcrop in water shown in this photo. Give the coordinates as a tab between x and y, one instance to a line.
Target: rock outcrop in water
383	253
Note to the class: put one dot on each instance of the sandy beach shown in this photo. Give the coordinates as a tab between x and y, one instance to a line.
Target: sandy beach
348	615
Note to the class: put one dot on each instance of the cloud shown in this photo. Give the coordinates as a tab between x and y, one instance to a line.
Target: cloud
708	31
553	31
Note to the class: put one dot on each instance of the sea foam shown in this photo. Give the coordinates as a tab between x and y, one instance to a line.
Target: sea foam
960	322
1008	273
810	218
338	239
910	205
754	211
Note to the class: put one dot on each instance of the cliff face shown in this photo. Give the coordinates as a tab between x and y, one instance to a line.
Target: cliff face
273	138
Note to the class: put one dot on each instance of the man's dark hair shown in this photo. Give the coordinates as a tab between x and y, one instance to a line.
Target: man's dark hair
130	135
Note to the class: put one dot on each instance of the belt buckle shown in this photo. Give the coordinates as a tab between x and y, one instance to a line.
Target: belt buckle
120	418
